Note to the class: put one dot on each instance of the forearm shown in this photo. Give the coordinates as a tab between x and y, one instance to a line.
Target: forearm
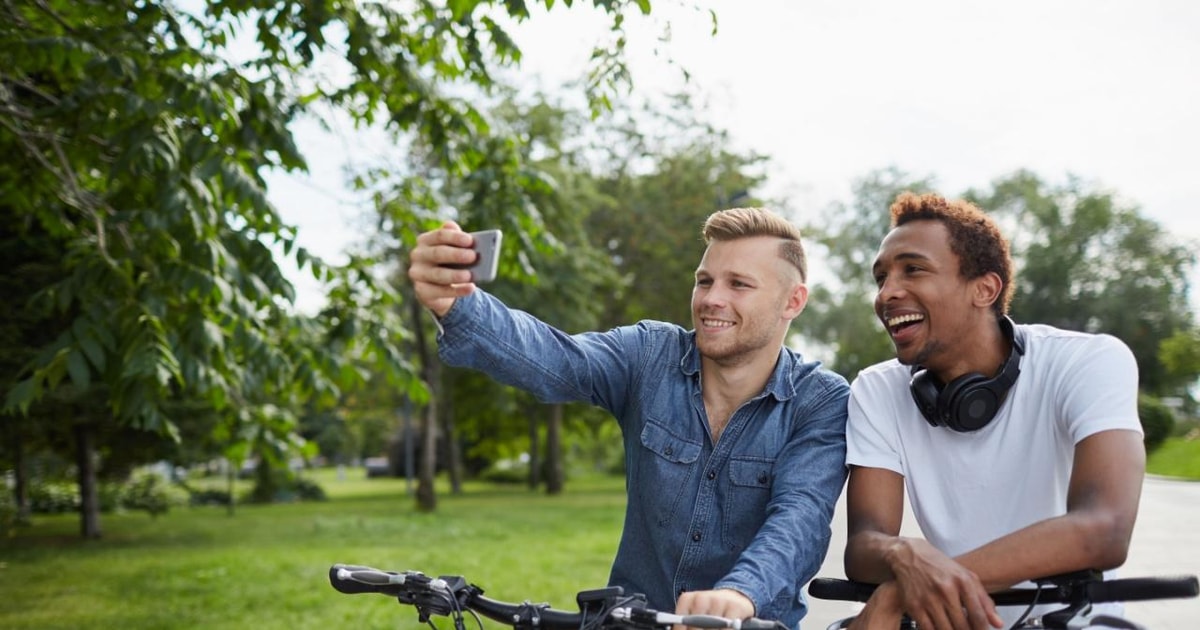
866	557
514	348
1106	483
1072	542
1059	545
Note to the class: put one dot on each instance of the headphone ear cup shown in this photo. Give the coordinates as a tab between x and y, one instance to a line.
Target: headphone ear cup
925	393
968	402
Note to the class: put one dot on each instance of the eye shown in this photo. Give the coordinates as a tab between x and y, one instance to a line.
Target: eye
703	282
879	278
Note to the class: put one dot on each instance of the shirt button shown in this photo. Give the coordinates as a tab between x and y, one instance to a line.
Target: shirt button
668	451
712	474
696	536
762	478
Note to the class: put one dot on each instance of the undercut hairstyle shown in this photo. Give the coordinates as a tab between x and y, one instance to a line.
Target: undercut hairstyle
974	238
737	223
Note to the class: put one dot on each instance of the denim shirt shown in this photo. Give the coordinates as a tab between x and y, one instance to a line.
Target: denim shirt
751	512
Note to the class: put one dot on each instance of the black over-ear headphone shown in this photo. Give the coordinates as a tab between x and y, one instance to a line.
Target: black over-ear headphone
970	401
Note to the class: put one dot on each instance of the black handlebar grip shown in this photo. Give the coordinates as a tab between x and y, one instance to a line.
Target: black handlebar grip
348	586
1135	589
844	590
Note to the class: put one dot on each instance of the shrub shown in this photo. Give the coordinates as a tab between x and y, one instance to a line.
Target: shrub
506	472
208	496
280	485
1157	421
309	490
53	497
151	493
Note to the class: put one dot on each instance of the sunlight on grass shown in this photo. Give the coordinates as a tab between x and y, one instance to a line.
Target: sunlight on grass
1177	457
266	566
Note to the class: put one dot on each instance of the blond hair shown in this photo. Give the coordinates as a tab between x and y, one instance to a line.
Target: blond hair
737	223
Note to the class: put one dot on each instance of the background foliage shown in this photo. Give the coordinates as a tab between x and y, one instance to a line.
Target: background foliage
147	317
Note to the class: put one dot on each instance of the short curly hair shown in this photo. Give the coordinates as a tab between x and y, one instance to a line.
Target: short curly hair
735	223
974	237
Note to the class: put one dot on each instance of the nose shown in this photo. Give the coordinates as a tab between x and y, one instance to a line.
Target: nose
889	289
712	296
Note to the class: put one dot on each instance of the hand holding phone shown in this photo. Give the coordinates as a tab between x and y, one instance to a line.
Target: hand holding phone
487	256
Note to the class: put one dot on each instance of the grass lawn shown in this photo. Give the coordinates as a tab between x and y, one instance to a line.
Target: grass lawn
267	566
1177	457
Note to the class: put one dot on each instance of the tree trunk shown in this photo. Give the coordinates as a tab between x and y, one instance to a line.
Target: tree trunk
230	486
426	493
20	479
535	451
453	451
554	456
89	490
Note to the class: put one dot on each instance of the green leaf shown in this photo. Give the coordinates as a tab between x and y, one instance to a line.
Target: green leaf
77	367
21	396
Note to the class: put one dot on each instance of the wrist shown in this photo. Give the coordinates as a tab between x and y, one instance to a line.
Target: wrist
748	601
887	597
896	554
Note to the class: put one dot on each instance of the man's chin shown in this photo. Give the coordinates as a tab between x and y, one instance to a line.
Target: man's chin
711	350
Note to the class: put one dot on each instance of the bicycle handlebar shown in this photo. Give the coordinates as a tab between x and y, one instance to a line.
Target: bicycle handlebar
451	595
1055	590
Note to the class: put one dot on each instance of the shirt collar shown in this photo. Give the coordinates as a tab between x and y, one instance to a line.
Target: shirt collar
781	385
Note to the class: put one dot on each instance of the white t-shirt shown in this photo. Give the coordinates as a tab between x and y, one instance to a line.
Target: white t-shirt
968	489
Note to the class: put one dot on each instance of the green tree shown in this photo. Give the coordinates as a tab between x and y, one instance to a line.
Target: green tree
1088	260
659	176
1180	357
140	132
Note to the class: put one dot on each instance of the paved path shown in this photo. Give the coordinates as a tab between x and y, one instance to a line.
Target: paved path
1166	541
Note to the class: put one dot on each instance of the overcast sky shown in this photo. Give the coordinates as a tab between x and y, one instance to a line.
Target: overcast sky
965	91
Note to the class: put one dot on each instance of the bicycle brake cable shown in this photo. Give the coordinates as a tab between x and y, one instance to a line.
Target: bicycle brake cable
1036	594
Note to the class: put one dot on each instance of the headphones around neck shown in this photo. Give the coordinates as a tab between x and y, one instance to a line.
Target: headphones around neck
969	402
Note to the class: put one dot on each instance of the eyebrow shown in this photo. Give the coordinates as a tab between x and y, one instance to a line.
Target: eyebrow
899	257
736	275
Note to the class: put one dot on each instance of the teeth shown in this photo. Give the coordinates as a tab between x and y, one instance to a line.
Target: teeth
716	323
904	319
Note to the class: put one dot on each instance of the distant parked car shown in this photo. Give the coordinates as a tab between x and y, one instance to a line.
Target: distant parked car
378	467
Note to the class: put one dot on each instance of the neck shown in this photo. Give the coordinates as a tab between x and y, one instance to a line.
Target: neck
734	384
984	355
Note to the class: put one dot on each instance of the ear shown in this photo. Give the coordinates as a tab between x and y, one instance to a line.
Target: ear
986	289
796	300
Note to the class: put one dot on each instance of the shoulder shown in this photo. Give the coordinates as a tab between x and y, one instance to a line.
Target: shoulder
1050	345
656	336
884	375
808	374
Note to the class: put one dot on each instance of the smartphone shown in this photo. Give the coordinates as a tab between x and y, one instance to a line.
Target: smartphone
487	249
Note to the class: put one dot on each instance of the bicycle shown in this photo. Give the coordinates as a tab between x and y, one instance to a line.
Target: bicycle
608	608
1076	591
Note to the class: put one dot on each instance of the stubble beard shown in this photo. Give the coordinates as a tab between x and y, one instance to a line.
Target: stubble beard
930	348
733	351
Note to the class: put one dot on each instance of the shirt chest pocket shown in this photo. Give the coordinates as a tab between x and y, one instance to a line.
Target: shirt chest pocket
746	497
667	466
